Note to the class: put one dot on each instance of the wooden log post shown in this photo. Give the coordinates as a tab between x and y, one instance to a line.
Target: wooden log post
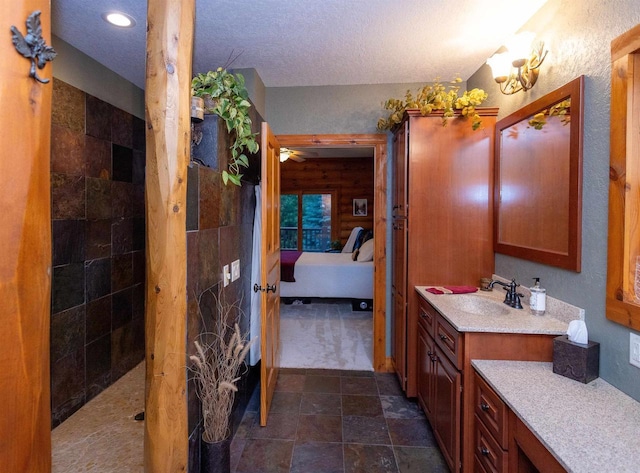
169	49
25	239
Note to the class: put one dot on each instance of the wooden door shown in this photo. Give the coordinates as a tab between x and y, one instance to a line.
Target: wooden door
426	376
399	295
270	271
25	238
400	156
446	428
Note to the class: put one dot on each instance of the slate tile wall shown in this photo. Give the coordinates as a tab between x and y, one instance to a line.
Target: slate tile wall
98	235
219	231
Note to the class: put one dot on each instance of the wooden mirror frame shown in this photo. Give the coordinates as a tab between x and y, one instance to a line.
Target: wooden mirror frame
571	259
624	181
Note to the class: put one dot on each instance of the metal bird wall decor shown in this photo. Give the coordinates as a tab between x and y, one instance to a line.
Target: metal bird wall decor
33	46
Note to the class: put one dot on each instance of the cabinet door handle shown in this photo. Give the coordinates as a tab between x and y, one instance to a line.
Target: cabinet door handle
423	315
444	337
484	451
484	406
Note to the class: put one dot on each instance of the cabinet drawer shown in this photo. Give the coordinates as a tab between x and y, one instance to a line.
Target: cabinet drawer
449	341
491	410
487	450
427	316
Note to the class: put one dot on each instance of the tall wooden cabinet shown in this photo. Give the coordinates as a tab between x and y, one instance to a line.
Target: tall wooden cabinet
442	218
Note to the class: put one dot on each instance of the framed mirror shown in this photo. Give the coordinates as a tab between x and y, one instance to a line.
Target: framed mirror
538	180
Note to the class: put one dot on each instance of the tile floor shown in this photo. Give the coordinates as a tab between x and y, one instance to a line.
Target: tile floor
331	421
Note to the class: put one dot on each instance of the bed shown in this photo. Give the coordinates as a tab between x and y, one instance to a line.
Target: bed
333	275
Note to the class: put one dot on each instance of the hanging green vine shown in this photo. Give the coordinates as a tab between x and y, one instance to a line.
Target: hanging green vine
230	101
436	97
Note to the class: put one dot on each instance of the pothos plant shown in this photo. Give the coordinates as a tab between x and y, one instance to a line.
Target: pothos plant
434	97
229	101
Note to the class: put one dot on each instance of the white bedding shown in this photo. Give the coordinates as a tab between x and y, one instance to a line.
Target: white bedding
330	275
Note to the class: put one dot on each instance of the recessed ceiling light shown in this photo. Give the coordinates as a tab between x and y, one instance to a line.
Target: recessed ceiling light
119	19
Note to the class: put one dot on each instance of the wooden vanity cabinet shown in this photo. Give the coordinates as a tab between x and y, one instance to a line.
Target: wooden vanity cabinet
447	388
442	232
440	381
503	443
491	440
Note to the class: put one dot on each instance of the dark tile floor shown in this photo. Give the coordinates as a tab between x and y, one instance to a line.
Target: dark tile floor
326	421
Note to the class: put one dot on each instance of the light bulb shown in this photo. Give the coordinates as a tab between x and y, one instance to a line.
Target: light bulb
500	64
119	19
519	48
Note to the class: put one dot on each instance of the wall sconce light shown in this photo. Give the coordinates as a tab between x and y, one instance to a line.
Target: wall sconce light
516	69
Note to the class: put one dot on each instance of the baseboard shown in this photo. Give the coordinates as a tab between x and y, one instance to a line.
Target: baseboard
389	365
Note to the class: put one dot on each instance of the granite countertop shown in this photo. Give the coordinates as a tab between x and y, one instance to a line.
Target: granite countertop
587	427
554	322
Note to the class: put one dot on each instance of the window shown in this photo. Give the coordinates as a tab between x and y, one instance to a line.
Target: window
306	221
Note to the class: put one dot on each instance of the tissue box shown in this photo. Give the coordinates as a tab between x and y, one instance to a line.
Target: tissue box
575	360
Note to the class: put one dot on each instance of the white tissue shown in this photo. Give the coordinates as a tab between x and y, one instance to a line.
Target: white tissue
577	332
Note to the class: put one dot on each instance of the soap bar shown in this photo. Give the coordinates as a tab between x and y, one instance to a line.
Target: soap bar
575	360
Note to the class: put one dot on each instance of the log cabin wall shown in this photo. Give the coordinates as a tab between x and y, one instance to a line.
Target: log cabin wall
98	228
352	178
219	231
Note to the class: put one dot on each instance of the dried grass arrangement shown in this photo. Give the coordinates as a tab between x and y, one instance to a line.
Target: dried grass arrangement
220	355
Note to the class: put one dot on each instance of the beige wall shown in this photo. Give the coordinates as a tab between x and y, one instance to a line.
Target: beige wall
578	36
79	70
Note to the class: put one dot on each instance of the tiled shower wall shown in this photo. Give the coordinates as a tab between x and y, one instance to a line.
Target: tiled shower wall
98	231
219	231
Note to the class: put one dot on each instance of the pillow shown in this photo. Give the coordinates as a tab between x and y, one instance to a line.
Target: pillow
363	236
348	246
366	251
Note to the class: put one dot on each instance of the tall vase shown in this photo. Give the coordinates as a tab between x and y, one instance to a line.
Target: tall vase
216	457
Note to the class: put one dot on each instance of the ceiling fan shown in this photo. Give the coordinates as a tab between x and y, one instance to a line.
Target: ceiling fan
295	154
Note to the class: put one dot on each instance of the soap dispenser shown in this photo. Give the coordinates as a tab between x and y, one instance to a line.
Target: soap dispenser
538	301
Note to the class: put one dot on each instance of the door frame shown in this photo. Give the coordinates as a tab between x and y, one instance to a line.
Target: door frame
378	142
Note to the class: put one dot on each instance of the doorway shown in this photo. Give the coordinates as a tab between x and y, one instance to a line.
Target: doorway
379	144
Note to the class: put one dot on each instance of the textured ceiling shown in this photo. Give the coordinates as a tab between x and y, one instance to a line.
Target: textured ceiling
311	42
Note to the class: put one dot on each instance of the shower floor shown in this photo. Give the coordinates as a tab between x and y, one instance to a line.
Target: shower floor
103	436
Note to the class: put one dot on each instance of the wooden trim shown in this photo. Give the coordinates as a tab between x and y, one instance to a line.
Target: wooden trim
626	43
623	179
390	365
25	237
168	98
482	111
379	142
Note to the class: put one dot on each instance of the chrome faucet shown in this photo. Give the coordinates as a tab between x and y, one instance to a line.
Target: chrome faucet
512	298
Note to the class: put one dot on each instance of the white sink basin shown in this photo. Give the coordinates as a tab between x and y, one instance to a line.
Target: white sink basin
475	304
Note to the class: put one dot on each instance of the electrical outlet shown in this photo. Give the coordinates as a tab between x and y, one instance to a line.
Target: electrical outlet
226	276
634	349
235	270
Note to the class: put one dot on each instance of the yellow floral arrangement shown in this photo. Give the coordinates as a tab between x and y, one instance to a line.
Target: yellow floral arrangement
436	97
560	110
